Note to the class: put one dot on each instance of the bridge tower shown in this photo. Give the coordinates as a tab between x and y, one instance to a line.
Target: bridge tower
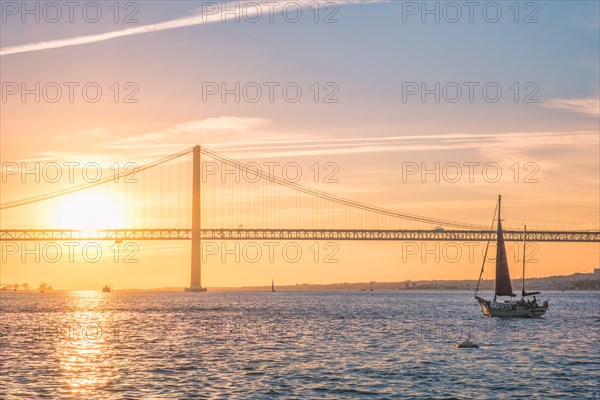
196	283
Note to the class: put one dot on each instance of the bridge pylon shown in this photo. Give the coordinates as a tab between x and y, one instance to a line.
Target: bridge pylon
196	267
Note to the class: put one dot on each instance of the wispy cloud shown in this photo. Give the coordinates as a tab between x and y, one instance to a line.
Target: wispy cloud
587	105
93	133
197	19
246	138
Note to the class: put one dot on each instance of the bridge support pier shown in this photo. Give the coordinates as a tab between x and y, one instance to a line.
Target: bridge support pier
196	282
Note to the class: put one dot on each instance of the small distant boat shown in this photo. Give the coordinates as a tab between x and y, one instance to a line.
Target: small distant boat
44	287
503	287
106	289
273	286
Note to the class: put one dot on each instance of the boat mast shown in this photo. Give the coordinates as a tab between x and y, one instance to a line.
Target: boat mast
497	247
499	204
524	248
486	250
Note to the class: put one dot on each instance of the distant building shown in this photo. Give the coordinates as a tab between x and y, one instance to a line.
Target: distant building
410	285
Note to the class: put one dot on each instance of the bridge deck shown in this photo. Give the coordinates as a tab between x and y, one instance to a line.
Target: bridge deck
293	234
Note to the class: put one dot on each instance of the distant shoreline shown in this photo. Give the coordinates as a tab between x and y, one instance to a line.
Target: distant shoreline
577	281
268	290
574	282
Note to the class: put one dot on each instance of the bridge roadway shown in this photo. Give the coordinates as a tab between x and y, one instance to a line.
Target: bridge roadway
293	234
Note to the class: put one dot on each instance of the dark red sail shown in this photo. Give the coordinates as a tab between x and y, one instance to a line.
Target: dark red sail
503	285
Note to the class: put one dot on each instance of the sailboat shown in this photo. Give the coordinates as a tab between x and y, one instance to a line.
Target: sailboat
503	287
43	287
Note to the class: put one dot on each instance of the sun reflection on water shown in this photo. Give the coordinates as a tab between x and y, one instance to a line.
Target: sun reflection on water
86	365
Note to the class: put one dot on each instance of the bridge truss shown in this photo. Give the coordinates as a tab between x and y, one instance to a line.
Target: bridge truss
294	234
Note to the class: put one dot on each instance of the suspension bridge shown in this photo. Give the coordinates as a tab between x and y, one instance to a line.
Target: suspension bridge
227	200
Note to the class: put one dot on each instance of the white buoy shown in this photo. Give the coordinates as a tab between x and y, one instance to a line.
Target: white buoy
466	345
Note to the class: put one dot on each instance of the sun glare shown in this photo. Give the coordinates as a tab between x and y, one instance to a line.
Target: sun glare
89	210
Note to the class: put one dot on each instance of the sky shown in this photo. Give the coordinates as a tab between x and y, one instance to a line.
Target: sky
380	83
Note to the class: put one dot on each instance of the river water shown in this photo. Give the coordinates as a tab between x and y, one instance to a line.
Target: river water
293	344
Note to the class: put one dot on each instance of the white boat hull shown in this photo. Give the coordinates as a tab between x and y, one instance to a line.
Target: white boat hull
511	309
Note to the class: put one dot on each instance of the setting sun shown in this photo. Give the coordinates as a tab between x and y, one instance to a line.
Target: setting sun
89	210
